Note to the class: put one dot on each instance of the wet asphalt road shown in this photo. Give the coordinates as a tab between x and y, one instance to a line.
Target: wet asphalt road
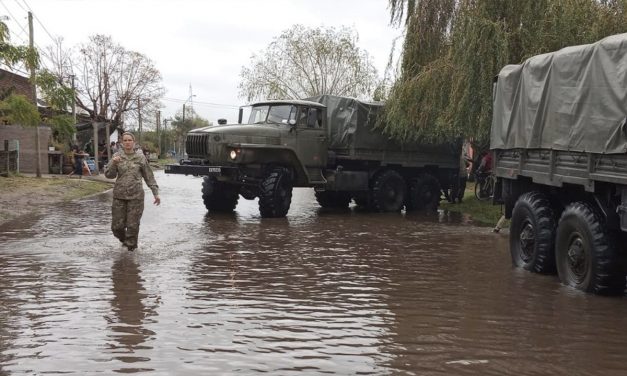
318	292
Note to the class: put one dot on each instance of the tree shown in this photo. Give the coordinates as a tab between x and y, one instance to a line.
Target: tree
184	123
19	110
114	82
11	54
111	83
304	62
455	48
59	98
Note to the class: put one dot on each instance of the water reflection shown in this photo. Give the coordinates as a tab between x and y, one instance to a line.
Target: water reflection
319	292
130	313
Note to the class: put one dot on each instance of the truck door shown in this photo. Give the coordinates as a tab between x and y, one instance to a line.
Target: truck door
311	138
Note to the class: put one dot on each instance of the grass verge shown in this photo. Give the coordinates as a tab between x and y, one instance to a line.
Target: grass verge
20	195
480	211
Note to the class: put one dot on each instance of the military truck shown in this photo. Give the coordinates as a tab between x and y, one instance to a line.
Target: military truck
559	138
329	143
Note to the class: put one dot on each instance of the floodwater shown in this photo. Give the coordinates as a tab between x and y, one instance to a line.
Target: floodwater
318	292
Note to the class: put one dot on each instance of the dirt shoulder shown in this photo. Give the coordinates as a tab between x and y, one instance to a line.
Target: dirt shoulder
20	195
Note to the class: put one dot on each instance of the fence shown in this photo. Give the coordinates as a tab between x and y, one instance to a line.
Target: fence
9	156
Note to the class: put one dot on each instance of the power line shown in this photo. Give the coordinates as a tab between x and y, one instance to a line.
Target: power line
21	38
38	21
14	18
176	100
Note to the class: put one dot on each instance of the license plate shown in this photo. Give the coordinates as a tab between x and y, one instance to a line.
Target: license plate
214	169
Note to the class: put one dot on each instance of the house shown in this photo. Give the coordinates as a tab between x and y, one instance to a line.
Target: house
21	138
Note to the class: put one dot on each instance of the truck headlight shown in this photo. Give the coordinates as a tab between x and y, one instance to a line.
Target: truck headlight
234	153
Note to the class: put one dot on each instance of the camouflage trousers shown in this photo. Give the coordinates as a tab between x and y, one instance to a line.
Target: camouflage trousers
125	217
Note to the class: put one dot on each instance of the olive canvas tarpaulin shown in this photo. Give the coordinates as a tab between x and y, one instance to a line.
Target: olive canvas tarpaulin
351	123
572	99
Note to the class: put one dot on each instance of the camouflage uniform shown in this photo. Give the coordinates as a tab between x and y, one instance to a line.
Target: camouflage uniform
128	195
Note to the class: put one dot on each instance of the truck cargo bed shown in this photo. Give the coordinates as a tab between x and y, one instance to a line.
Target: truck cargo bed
556	168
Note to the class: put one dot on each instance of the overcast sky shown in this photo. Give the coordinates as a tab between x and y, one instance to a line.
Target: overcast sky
199	43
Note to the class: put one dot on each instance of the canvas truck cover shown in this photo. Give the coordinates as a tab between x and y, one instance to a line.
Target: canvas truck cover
574	99
351	127
351	122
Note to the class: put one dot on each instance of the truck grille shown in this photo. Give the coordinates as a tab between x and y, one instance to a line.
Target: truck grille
196	145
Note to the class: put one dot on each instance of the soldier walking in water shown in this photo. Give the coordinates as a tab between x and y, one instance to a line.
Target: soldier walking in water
129	168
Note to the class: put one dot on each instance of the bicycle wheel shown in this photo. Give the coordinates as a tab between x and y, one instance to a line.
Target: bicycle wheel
481	189
491	182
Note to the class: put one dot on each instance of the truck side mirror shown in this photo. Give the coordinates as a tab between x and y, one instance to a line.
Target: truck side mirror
240	115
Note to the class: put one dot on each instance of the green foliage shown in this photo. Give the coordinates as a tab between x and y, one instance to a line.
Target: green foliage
57	95
304	62
62	130
454	49
17	109
11	54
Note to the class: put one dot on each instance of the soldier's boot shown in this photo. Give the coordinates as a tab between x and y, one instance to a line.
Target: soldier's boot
131	237
119	232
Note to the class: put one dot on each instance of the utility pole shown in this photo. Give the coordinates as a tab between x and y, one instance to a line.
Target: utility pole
31	43
73	107
139	114
159	132
165	138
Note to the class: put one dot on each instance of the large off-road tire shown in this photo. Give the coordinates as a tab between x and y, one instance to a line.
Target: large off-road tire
217	196
532	233
587	252
388	192
275	193
332	199
424	193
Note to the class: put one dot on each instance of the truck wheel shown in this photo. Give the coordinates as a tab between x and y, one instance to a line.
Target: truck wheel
218	196
276	194
331	199
586	252
388	192
532	232
424	193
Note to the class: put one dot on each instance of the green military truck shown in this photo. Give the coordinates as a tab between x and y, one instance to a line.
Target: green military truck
329	143
559	138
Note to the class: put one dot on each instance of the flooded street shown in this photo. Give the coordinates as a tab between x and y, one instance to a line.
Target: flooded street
318	292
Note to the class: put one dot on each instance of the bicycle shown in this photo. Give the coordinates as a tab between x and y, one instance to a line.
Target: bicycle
484	185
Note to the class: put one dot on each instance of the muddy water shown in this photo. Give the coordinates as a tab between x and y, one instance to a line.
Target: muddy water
319	292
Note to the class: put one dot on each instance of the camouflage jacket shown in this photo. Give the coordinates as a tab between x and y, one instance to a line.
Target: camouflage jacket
129	173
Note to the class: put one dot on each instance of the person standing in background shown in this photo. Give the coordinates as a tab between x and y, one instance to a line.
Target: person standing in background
78	157
129	169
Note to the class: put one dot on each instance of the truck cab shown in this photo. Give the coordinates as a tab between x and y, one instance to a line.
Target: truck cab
283	140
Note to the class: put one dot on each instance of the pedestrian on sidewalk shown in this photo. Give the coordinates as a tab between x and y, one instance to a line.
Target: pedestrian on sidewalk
129	169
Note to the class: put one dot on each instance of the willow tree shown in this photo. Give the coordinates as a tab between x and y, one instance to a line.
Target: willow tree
304	62
446	92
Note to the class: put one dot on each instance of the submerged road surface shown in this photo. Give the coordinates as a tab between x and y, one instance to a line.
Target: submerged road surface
318	292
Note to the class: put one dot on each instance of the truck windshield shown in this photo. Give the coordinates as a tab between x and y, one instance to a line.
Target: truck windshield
277	114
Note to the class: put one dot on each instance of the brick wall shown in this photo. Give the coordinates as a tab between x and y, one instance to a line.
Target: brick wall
16	84
26	137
